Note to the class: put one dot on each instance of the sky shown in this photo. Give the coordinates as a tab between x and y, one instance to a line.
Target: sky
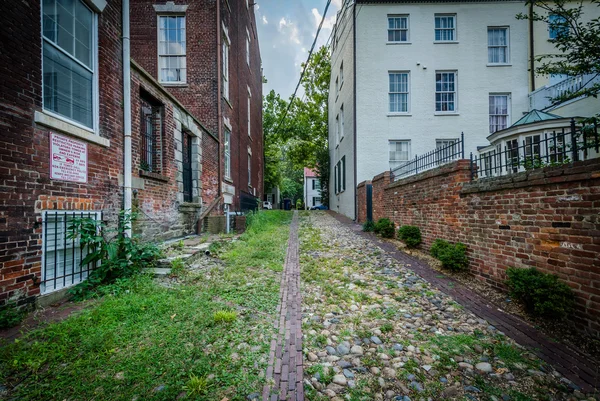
286	30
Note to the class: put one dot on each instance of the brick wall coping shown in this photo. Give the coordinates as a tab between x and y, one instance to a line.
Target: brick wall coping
382	176
446	169
364	183
576	171
172	98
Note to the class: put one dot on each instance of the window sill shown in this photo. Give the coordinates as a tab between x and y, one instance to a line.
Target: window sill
228	179
441	42
44	118
398	43
154	176
399	115
228	103
498	65
439	113
174	84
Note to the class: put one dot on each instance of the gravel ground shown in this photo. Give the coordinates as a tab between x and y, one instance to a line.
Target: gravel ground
376	331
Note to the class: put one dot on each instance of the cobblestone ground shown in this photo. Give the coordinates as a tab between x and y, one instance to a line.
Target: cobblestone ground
373	330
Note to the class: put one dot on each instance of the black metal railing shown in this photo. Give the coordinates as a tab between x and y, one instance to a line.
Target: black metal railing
446	153
538	150
63	253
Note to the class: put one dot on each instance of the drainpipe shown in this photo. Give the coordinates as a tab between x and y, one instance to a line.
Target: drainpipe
219	97
126	113
531	48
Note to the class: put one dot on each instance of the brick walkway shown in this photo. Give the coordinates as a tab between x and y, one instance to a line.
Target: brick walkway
577	367
285	371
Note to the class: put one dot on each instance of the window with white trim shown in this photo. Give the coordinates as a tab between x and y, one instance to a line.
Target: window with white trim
399	153
225	68
398	92
397	28
316	201
499	112
445	91
247	47
337	129
445	27
172	49
342	74
557	25
341	122
249	101
532	149
447	149
337	86
62	254
498	45
343	161
69	31
227	151
249	168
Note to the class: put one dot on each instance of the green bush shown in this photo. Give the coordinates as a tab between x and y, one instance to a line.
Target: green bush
385	227
452	256
11	315
368	226
541	293
411	235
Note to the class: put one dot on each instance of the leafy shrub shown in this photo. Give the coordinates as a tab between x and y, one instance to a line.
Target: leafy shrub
452	256
411	235
368	226
177	267
224	316
541	293
384	227
115	256
10	315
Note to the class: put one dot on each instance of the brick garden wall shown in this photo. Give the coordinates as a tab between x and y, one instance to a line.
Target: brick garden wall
547	218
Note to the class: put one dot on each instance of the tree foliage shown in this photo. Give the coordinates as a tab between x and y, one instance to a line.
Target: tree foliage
298	139
577	40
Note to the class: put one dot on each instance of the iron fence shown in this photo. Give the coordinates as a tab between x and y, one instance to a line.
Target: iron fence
61	262
448	151
537	151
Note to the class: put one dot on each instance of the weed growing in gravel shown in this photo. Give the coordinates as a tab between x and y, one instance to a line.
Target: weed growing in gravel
512	355
224	316
387	328
177	267
325	373
197	386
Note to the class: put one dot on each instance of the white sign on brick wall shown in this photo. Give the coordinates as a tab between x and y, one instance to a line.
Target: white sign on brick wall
68	159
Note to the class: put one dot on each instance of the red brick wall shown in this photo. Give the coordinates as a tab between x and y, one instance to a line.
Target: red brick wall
25	185
210	171
546	218
361	199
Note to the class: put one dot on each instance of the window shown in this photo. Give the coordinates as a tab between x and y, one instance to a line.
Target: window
341	74
398	92
497	45
446	149
338	169
187	167
249	99
445	91
151	132
343	173
61	261
316	184
335	178
69	60
498	112
557	25
445	28
337	129
532	150
397	28
227	151
512	155
247	47
225	68
337	86
399	153
341	123
249	168
171	49
316	201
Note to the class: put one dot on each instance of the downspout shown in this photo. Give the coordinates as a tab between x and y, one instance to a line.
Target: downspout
219	97
126	114
354	116
531	49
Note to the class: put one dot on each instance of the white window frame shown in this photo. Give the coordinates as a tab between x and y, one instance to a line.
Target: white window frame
455	92
47	245
95	80
453	29
158	17
336	129
451	148
398	162
407	29
341	75
247	47
508	101
552	33
407	111
342	122
249	104
227	153
507	46
226	47
249	167
337	87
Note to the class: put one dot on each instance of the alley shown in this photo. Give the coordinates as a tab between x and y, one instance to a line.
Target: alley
376	330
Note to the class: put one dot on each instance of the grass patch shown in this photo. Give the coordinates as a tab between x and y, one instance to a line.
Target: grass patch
154	343
223	316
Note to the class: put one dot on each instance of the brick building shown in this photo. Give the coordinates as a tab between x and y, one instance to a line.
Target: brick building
210	48
62	147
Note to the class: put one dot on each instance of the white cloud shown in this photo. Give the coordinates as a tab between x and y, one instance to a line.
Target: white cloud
264	20
327	23
289	29
337	4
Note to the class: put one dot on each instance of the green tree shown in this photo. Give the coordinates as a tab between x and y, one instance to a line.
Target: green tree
273	109
577	40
